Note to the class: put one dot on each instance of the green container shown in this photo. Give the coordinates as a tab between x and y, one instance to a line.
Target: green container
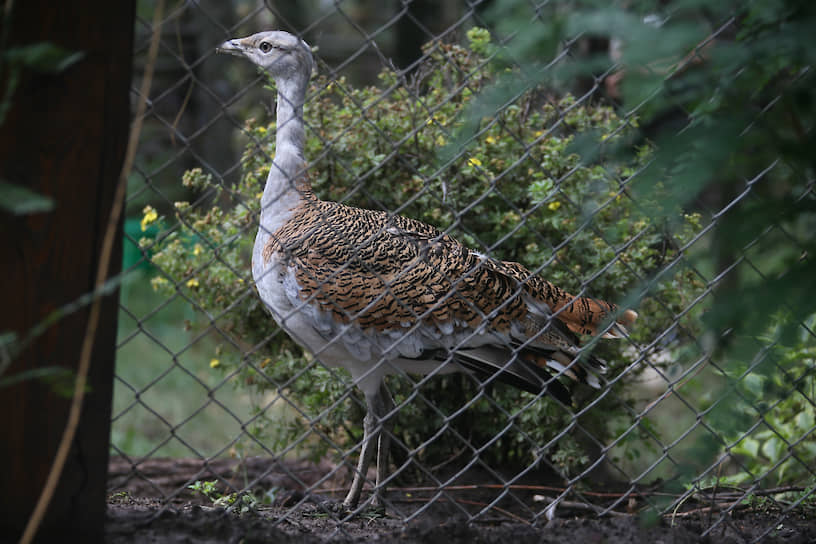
132	255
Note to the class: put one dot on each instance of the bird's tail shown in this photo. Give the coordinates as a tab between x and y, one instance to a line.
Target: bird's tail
583	369
584	315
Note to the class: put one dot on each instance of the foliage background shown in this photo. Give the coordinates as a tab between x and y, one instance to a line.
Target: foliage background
725	93
675	176
519	192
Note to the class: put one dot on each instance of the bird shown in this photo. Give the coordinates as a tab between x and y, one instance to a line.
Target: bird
381	294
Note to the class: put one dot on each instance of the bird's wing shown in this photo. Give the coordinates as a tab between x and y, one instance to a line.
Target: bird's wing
389	273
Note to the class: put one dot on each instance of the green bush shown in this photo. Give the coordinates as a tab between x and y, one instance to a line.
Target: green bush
519	190
727	92
767	415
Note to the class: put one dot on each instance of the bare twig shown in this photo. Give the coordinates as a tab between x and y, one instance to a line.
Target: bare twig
709	509
502	511
575	505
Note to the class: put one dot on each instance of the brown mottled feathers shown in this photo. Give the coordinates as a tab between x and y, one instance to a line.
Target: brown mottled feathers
388	272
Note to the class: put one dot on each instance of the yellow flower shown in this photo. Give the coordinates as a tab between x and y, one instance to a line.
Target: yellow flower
490	140
554	205
538	133
258	196
262	131
440	141
439	118
215	363
192	283
197	249
157	282
150	215
473	161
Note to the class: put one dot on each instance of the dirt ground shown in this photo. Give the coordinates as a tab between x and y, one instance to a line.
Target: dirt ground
152	504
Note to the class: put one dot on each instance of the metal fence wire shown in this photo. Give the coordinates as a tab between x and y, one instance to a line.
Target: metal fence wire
205	377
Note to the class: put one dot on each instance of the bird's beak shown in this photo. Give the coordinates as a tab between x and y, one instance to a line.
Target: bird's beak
233	47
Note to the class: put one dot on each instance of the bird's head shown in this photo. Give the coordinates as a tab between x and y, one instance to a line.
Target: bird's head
281	54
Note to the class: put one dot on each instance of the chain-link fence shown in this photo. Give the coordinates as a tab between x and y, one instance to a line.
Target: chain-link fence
415	110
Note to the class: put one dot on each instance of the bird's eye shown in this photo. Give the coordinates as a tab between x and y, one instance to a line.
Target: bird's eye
266	47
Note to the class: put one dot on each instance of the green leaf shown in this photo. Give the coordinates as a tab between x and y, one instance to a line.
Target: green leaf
8	341
805	420
7	338
772	449
754	384
43	57
23	201
59	379
750	446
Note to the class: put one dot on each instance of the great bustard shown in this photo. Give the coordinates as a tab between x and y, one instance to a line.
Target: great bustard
381	294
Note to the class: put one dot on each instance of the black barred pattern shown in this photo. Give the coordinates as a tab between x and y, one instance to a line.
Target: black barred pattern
386	272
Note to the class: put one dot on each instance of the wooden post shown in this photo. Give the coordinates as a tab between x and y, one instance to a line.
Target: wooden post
64	137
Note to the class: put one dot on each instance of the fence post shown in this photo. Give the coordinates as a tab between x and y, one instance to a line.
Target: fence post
64	136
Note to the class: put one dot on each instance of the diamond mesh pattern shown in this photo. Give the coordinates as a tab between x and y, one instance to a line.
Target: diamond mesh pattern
209	392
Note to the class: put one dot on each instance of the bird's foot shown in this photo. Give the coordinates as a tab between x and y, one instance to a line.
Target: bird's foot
319	507
375	510
341	509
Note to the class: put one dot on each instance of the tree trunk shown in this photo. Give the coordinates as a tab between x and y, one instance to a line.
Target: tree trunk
64	137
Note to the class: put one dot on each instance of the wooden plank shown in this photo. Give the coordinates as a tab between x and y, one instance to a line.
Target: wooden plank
64	137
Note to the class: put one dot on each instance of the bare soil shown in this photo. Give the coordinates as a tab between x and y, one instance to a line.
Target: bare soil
151	503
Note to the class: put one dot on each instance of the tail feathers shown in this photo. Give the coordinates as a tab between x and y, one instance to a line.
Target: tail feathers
620	329
532	370
583	369
587	316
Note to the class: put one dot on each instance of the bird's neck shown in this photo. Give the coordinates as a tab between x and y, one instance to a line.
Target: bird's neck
287	182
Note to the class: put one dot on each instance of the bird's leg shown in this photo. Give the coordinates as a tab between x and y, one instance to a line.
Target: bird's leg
375	433
383	447
371	428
